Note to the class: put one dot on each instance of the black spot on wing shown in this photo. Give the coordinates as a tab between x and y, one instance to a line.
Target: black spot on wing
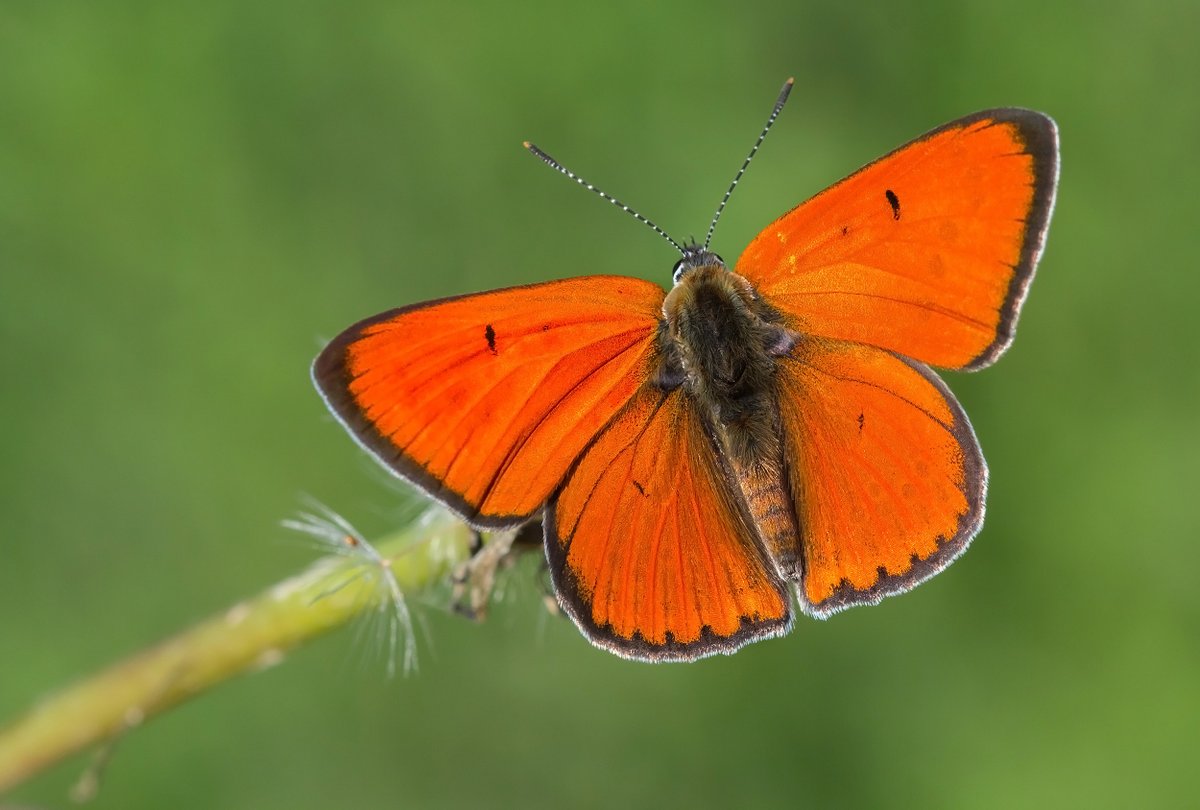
894	202
489	335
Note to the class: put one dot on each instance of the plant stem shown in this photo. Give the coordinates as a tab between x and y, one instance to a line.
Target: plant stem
250	636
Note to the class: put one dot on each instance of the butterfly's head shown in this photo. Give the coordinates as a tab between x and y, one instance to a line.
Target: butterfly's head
706	294
694	257
709	308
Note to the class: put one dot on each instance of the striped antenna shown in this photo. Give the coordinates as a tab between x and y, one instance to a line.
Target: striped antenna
554	164
783	96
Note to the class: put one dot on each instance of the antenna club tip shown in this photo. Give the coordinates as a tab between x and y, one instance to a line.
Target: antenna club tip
527	144
791	80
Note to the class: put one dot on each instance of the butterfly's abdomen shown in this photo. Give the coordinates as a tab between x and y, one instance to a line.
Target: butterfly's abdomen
766	497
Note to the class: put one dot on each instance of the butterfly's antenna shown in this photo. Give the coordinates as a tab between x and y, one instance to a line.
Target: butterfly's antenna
783	96
554	164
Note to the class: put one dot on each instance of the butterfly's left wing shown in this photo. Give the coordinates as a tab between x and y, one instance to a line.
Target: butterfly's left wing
651	551
887	478
928	251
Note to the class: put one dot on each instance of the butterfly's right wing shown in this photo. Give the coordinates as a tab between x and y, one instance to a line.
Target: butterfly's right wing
484	401
886	475
928	251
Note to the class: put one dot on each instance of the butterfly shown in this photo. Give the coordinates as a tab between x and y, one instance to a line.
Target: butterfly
701	457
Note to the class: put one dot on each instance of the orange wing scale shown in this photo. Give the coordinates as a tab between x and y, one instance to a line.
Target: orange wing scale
887	477
485	400
650	553
928	251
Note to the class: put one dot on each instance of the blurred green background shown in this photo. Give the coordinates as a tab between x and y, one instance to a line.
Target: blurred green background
194	196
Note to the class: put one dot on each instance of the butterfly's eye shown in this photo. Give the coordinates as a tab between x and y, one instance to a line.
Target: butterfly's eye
680	268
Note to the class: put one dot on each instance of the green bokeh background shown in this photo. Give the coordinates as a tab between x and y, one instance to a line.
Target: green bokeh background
194	196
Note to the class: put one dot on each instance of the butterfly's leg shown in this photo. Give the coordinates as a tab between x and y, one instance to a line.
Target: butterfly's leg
473	580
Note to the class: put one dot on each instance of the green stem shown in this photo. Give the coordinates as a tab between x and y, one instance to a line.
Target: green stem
251	635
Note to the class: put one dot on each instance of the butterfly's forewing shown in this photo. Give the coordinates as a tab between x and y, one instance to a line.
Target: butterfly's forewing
887	478
928	251
484	401
650	551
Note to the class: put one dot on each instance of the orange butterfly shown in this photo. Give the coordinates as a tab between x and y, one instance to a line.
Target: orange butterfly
695	454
